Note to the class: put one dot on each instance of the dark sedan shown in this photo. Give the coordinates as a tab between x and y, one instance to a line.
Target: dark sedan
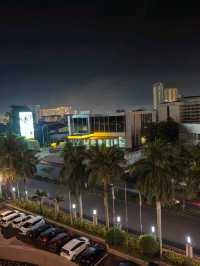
57	242
91	255
46	236
33	235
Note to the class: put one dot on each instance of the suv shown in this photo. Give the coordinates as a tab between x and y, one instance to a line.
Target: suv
32	224
6	221
6	213
74	247
33	234
46	236
20	221
91	255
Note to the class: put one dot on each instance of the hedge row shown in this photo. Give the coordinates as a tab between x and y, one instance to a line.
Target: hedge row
178	259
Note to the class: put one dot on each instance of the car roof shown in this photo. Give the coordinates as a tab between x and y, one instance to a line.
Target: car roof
34	219
12	215
6	212
72	243
60	235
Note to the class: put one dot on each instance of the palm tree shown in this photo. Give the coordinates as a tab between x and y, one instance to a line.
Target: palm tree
16	160
57	200
155	177
105	168
74	174
27	165
39	195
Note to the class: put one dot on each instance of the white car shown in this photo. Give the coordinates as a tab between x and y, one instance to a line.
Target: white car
6	221
6	213
21	220
31	224
74	247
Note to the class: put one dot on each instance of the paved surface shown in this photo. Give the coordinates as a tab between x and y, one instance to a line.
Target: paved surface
175	228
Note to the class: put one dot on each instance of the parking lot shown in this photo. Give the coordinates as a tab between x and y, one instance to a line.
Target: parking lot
8	236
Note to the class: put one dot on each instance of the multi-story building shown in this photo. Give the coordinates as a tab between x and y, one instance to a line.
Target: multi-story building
158	94
118	128
54	114
186	111
170	94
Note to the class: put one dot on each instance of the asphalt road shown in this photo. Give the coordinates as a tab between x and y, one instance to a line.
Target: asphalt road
175	228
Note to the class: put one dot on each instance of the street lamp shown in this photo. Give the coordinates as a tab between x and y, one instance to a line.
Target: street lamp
95	217
14	193
26	193
119	224
153	229
188	247
74	210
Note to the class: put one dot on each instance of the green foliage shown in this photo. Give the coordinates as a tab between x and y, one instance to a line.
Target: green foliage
176	259
148	245
73	173
167	131
115	237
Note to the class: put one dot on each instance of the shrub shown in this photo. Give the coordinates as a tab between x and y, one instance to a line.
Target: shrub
179	260
115	237
148	245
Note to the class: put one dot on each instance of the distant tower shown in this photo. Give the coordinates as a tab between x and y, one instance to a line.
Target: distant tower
170	94
158	94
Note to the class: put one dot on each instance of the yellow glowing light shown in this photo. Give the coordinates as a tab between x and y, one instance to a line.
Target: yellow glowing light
53	145
93	136
143	140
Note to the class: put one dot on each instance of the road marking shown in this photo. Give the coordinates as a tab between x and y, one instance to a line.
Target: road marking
105	256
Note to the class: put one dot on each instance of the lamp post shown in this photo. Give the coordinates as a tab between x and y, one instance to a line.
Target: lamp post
95	217
26	194
119	224
189	248
14	193
113	202
74	210
153	230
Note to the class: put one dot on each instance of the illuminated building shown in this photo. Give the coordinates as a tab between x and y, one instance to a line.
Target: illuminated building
54	114
158	94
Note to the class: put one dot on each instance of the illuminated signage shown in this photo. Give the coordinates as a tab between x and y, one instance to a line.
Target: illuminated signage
26	125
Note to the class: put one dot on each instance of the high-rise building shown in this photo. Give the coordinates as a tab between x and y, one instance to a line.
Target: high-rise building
158	94
170	94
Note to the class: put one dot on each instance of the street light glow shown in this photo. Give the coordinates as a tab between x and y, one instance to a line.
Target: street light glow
26	192
73	206
153	229
118	219
94	212
188	239
13	189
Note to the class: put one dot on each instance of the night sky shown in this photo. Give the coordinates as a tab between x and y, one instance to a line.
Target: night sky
99	55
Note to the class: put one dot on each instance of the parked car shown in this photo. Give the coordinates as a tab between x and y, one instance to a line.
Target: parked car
55	244
33	234
74	247
46	236
21	220
91	255
6	213
6	221
32	224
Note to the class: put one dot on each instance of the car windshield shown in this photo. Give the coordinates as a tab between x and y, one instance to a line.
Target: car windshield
29	224
12	218
65	251
77	246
